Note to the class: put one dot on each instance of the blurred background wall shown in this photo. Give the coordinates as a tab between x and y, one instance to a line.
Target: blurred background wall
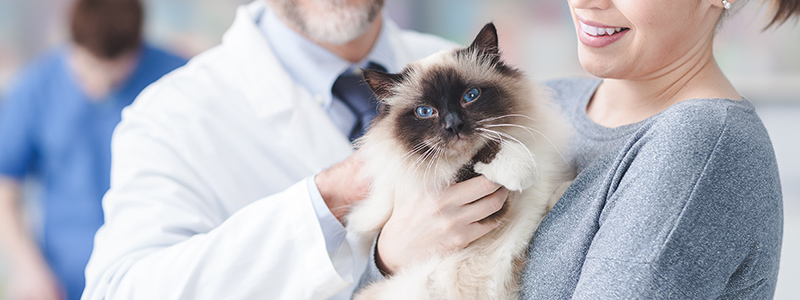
536	35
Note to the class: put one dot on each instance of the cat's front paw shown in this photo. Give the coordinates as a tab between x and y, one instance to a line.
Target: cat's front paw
514	167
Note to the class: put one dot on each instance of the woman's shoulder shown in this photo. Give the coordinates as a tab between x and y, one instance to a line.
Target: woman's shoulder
572	88
729	128
571	93
706	118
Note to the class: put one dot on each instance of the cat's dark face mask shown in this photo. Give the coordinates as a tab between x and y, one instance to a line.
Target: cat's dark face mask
448	107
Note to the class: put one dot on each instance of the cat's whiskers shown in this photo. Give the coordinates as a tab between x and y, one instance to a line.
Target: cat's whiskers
430	156
432	148
413	151
510	137
531	131
485	139
421	159
413	169
428	166
527	128
426	143
417	148
503	116
490	134
437	158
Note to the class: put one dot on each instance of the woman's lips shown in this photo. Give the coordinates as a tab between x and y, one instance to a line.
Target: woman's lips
598	36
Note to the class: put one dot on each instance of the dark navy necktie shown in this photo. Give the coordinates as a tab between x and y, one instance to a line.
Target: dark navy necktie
354	93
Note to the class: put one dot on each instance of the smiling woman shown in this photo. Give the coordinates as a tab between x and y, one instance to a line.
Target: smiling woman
664	48
677	193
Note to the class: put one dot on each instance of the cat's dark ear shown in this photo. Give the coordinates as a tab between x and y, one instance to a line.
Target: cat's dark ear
486	41
381	82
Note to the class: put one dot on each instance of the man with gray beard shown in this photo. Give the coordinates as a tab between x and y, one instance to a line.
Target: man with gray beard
219	186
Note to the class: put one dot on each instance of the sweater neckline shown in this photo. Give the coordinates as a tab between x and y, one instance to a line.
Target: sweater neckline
587	127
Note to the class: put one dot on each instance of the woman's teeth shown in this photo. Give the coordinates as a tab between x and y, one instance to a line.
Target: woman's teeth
598	31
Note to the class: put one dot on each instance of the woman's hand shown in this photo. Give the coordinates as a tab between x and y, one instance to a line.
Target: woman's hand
423	227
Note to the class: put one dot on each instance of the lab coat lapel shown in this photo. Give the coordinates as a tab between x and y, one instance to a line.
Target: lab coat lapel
402	51
287	110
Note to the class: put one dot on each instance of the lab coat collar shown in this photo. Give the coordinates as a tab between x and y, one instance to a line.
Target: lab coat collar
258	65
293	119
312	66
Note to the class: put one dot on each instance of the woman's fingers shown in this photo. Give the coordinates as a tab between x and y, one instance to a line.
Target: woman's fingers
485	207
469	191
451	220
478	229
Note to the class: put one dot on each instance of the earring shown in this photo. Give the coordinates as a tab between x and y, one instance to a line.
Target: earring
726	4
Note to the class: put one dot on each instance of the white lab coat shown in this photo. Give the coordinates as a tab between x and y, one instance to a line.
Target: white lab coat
208	198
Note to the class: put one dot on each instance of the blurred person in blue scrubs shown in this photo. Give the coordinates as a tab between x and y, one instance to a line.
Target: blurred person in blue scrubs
56	121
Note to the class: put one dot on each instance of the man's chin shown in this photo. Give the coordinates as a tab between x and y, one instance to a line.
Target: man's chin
339	25
334	37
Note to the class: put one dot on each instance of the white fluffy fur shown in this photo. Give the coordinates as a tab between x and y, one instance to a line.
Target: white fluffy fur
528	164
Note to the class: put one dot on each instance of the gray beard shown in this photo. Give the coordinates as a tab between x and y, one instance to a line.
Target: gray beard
337	24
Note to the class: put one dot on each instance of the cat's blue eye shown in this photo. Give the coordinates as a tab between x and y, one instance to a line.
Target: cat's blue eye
424	111
472	94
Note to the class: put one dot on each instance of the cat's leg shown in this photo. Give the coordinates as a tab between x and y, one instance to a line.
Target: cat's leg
514	167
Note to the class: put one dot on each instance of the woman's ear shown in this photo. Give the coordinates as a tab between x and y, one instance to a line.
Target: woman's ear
721	3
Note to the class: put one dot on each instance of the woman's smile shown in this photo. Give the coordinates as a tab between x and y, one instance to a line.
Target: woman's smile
597	35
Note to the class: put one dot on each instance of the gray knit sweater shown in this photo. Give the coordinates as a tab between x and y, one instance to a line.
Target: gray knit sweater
683	205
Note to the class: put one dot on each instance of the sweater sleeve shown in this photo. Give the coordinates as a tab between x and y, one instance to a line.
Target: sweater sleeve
692	211
371	274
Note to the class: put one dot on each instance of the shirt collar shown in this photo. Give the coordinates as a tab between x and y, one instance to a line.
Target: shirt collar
313	67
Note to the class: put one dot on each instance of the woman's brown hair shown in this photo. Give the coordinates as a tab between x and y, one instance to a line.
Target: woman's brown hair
107	28
783	11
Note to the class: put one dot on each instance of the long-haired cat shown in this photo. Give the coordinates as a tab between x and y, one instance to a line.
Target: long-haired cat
445	119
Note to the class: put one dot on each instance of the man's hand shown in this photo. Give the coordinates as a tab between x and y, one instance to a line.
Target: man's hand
342	185
423	227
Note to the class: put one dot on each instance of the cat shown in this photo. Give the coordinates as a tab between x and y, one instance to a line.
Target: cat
444	119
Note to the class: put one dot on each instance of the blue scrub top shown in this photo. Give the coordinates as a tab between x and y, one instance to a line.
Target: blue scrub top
49	128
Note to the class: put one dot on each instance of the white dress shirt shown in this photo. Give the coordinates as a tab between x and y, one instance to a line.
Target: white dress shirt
315	68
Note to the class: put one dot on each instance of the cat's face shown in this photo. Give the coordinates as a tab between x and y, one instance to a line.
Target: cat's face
449	112
448	105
